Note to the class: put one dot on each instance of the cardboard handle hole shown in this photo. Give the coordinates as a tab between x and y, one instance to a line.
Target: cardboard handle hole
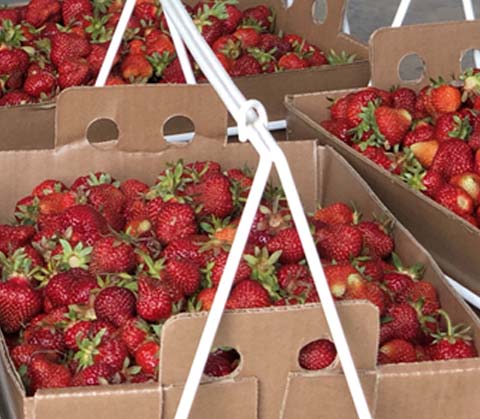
101	131
411	68
178	129
222	362
319	11
470	59
317	355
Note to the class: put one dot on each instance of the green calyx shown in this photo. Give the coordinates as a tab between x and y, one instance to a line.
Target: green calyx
415	272
28	214
11	35
18	264
101	6
170	184
462	129
263	269
88	349
102	179
342	58
453	333
412	171
73	257
369	125
153	268
99	33
160	62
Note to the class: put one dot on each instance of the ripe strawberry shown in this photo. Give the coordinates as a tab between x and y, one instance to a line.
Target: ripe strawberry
12	14
233	19
154	302
133	333
73	72
41	84
422	132
455	199
87	224
40	11
19	303
369	267
317	355
56	202
425	152
174	221
339	128
115	304
249	37
431	183
292	61
136	67
219	262
397	283
452	125
339	242
396	351
260	16
288	242
146	12
44	373
404	321
217	366
453	157
94	375
270	42
296	280
393	124
228	45
338	278
14	237
147	357
184	274
248	294
174	73
376	238
97	56
75	10
23	354
45	336
425	292
84	329
316	57
12	61
336	213
377	155
470	183
16	98
443	99
404	98
246	65
111	255
454	343
67	46
213	196
356	104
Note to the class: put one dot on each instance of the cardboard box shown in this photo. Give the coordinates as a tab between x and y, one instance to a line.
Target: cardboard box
269	383
270	89
452	241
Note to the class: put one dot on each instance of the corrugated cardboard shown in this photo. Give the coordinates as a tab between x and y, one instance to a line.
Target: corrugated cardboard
270	89
452	241
269	384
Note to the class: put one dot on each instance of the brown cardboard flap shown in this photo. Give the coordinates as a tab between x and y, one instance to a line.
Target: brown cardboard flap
440	45
232	399
443	390
140	113
324	395
108	402
269	341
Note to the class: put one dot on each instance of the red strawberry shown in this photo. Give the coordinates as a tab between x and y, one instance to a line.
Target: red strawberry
339	128
339	242
88	225
455	199
154	302
452	125
316	57
422	132
75	10
443	99
73	72
248	294
261	16
23	354
317	355
377	155
292	61
214	197
249	37
174	73
424	292
205	298
454	343
470	183
219	262
296	280
40	11
111	255
136	67
356	104
288	242
404	98
396	351
228	45
56	202
13	60
184	274
246	65
336	213
270	42
404	321
19	303
115	304
431	183
174	221
338	278
16	98
217	366
338	109
393	124
376	238
110	202
71	287
133	188
453	157
147	357
84	329
397	283
68	46
134	332
44	373
12	14
234	17
94	375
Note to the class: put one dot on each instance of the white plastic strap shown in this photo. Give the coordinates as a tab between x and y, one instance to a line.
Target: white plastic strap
245	112
401	13
269	151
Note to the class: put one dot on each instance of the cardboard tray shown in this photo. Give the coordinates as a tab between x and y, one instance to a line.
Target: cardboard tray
452	241
270	89
269	383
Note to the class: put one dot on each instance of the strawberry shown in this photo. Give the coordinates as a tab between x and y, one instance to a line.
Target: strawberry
146	12
19	303
110	202
425	292
393	124
455	199
45	336
296	280
248	294
174	221
94	375
12	14
454	343
453	157
356	104
377	155
44	373
228	45
185	248
184	274
233	17
425	152
336	213
404	98
339	128
404	321
136	68
422	132
97	56
71	287
316	57
288	242
79	330
443	98
56	203
205	299
219	262
133	333
452	125
397	283
115	305
147	357
217	366
154	302
249	37
317	355
369	267
339	242
174	73
133	188
16	98
14	237
246	65
260	16
23	354
431	183
213	196
73	72
41	84
470	183
397	351
338	277
338	109
270	42
67	46
75	10
111	255
292	61
376	238
40	11
209	24
87	224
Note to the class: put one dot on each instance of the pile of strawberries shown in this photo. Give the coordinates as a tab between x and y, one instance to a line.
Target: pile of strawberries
50	45
431	140
90	273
